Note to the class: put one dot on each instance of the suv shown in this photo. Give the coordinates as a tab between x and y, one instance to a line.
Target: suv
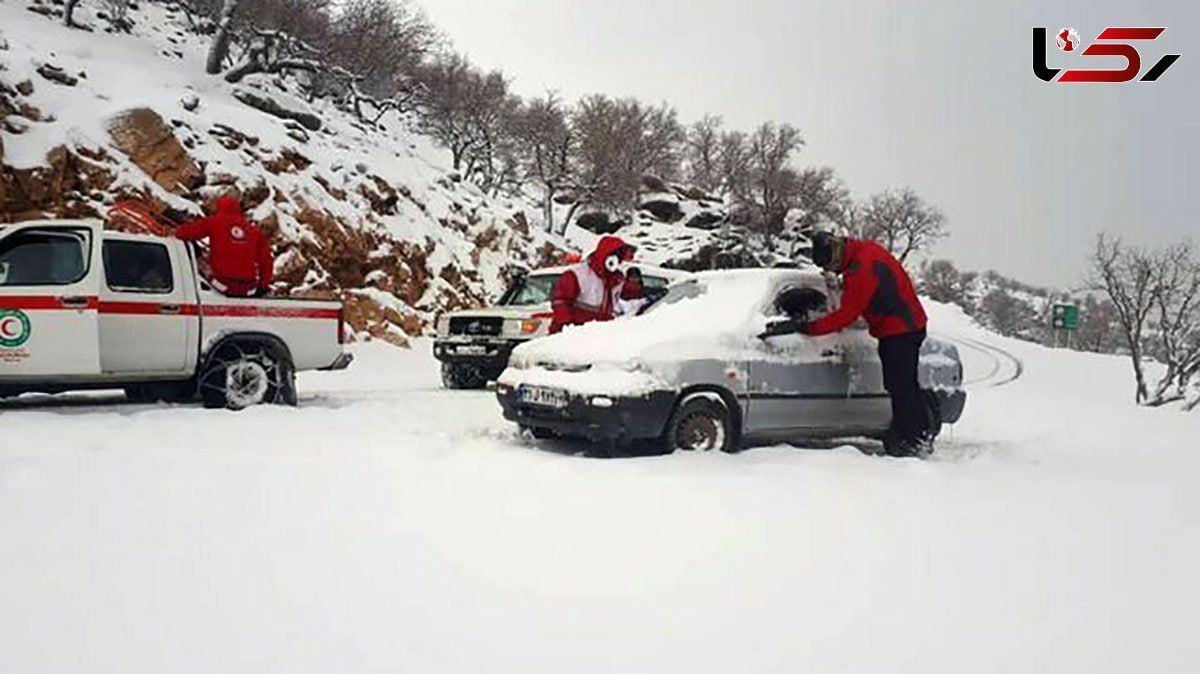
474	346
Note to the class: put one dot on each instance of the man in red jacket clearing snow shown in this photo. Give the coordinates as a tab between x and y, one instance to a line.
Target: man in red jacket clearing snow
589	291
240	257
879	290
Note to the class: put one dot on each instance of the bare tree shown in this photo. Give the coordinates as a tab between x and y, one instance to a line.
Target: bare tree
545	142
902	222
733	162
703	154
1128	276
1097	326
1007	315
773	186
218	51
1175	338
942	282
619	141
384	42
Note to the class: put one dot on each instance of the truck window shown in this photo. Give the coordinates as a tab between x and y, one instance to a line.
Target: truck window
42	257
532	290
137	267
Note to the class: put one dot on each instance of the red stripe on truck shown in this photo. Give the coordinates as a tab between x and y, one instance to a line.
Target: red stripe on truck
53	303
47	303
239	311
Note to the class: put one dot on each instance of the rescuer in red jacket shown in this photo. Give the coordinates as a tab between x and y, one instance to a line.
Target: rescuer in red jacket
877	288
238	252
589	291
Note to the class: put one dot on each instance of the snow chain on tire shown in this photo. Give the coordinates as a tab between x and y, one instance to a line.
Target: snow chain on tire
243	373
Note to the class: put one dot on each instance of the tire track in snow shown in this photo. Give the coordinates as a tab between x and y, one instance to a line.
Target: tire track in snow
1006	368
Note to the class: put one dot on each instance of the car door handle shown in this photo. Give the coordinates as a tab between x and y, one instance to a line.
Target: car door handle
74	302
170	309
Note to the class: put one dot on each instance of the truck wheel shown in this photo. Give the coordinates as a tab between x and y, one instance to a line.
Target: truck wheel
701	422
241	374
458	376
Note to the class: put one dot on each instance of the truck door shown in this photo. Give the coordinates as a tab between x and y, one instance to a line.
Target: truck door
148	319
48	301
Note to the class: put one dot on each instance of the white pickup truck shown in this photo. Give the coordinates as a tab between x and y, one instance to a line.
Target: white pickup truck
86	308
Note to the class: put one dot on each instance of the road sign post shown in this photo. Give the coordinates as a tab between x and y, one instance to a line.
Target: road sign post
1064	319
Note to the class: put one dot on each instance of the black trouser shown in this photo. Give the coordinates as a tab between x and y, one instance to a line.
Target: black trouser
899	355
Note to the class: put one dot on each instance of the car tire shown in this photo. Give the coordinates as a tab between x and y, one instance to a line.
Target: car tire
463	377
245	373
701	422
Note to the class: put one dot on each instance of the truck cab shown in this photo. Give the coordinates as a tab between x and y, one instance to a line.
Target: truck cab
86	308
474	345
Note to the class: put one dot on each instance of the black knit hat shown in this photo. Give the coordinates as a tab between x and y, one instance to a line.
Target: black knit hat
823	245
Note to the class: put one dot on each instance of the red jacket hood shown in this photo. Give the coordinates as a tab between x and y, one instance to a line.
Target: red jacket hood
607	246
229	207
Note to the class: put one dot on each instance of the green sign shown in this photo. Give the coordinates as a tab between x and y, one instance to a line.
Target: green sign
14	328
1065	316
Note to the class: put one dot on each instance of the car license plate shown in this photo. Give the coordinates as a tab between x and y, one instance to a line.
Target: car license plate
544	397
471	350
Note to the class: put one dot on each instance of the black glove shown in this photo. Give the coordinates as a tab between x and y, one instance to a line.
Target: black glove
260	292
784	327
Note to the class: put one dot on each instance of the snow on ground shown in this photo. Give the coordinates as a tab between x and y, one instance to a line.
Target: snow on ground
388	525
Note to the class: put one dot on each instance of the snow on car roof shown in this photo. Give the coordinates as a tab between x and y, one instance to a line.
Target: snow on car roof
718	320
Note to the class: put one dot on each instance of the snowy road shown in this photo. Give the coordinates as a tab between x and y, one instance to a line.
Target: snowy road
389	525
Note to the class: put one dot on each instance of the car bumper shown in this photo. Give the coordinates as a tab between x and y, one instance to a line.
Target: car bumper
951	404
594	417
490	354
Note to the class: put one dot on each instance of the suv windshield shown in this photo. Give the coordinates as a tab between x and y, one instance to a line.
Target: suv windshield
530	290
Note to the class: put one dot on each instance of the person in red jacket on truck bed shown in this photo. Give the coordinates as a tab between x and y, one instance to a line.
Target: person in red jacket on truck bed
879	290
238	252
590	290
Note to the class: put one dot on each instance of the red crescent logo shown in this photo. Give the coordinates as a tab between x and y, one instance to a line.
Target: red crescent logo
10	328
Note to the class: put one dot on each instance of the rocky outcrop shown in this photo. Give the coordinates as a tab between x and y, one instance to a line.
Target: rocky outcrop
148	141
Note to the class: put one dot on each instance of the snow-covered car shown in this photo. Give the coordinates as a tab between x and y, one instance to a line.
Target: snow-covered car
474	346
85	308
692	372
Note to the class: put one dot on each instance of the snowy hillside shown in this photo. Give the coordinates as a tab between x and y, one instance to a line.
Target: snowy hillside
373	215
387	525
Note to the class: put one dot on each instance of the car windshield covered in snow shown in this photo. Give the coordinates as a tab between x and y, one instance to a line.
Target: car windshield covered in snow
684	290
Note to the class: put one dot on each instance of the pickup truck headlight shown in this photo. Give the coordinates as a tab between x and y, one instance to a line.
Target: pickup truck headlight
530	326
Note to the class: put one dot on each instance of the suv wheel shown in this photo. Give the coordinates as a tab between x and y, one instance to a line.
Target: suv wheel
459	376
701	422
241	374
